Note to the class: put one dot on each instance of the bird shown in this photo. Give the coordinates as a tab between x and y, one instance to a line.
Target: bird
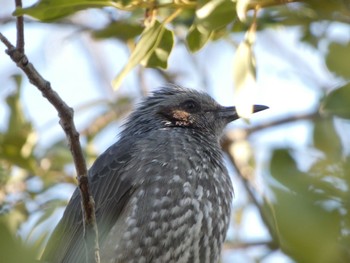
162	192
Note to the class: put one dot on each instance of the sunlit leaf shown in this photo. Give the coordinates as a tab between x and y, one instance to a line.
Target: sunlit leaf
242	8
48	10
197	37
338	59
244	78
216	14
159	57
149	42
337	102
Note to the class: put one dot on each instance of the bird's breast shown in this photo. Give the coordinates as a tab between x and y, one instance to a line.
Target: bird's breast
180	209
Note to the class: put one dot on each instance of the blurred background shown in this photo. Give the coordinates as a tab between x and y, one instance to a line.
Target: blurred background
289	165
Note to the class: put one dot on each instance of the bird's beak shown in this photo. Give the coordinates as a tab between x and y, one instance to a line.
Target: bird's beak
230	113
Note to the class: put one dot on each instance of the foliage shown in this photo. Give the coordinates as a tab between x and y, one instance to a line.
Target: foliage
306	210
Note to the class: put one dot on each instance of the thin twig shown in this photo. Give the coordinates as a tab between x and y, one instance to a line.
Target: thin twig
244	245
6	42
269	3
20	30
65	114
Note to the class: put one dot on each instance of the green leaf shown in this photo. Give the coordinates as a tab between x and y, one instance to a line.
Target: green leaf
216	14
48	10
57	156
284	170
197	37
283	164
308	230
327	139
337	102
150	40
338	59
159	57
119	29
18	141
12	249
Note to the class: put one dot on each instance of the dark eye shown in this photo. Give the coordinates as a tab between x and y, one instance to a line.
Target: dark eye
191	106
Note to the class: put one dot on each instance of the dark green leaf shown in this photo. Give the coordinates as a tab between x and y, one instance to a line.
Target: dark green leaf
326	138
307	232
283	164
337	102
284	169
48	10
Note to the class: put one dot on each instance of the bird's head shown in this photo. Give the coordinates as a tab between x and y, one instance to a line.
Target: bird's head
174	106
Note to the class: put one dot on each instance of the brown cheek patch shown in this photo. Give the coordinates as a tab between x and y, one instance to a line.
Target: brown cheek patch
180	115
182	118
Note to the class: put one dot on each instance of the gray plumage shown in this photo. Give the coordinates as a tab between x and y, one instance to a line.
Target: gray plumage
162	193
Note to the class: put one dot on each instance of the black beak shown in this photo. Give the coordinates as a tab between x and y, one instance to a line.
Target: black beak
230	113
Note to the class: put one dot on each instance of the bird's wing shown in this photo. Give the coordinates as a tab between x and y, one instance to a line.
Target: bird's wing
111	186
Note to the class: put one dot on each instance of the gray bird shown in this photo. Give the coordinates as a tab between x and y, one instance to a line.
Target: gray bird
162	192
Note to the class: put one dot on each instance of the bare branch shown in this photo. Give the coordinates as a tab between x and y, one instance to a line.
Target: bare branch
65	114
271	124
244	175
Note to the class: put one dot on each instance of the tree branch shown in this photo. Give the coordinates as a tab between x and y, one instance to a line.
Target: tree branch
297	117
65	114
243	174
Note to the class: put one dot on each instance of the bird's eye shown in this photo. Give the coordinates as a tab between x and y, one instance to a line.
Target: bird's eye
191	105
